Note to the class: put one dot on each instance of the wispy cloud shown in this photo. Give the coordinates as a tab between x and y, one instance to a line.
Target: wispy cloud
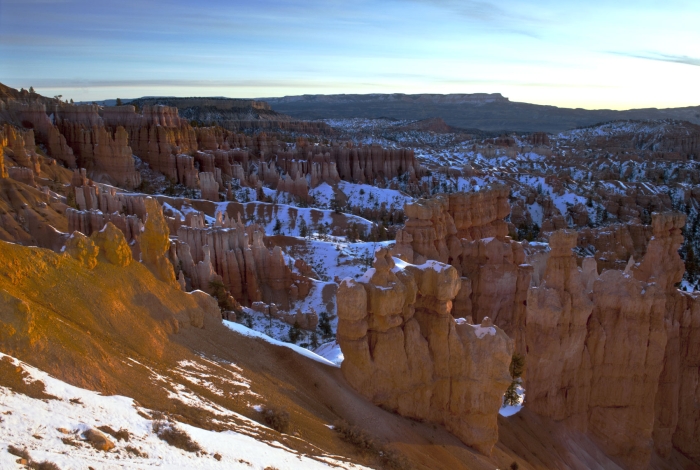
677	59
156	83
496	17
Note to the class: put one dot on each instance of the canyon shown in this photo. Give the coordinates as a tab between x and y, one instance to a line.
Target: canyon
162	241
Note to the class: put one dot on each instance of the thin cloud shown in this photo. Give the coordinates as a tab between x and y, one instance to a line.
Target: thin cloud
249	83
676	59
488	13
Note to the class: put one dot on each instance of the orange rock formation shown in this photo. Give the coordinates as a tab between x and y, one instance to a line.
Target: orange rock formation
404	350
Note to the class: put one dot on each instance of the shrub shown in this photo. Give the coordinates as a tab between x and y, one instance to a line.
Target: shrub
356	436
45	465
174	436
276	418
121	435
295	333
16	451
70	442
133	450
24	454
368	444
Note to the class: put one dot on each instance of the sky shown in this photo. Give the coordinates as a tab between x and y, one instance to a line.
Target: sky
573	53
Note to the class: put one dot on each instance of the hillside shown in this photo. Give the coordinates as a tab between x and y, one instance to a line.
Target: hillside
480	111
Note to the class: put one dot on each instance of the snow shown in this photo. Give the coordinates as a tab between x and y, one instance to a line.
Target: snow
368	196
536	213
331	351
434	265
510	410
24	417
290	217
238	328
323	194
568	199
480	331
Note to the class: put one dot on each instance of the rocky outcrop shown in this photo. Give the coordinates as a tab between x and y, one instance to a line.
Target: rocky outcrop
23	175
20	147
404	351
210	188
3	170
82	249
155	243
677	403
91	221
597	346
250	270
480	214
105	154
112	244
35	115
466	230
558	309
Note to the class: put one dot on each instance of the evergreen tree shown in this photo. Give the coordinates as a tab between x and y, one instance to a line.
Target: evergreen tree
517	367
303	228
324	325
295	333
277	229
119	101
31	90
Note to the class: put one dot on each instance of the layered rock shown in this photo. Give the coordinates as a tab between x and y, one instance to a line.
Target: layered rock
677	404
597	345
450	230
35	114
404	351
105	154
558	370
82	249
480	214
210	188
250	271
3	170
112	244
155	243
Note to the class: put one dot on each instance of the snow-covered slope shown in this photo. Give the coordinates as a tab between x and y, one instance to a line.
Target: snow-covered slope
51	430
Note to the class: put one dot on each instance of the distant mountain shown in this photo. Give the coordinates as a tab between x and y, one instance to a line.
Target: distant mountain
489	112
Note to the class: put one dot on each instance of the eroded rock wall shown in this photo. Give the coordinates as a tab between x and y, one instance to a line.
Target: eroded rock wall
404	350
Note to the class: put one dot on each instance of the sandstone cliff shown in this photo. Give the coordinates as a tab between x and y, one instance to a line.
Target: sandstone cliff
404	350
596	350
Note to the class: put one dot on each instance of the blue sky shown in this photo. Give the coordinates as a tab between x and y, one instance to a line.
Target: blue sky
589	54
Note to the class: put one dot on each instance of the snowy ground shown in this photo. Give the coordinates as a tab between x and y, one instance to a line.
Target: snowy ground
34	424
331	351
237	327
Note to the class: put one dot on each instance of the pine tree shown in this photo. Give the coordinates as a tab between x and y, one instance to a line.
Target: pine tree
517	367
511	397
277	229
119	101
295	333
324	325
303	228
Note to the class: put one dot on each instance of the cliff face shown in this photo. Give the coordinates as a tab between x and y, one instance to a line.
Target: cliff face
609	354
558	309
404	350
596	350
237	254
467	231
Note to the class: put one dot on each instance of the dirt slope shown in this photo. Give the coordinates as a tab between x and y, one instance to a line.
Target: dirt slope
118	330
